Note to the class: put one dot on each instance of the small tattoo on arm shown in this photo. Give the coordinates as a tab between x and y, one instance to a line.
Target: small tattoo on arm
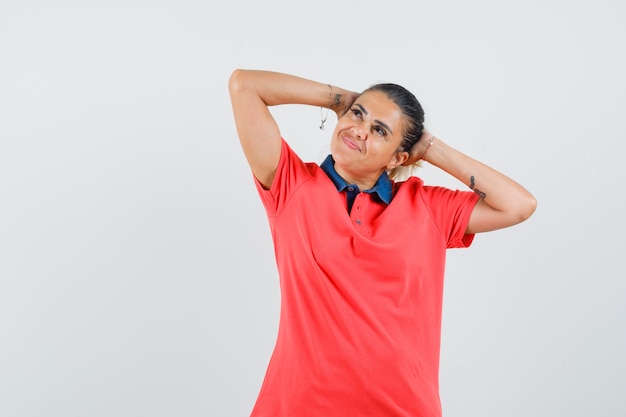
337	100
476	190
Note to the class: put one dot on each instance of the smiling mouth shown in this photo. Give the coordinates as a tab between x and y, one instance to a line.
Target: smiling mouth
350	143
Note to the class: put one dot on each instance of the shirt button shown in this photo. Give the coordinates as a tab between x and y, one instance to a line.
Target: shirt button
358	222
350	188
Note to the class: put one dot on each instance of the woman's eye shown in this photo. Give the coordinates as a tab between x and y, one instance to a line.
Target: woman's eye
381	131
356	112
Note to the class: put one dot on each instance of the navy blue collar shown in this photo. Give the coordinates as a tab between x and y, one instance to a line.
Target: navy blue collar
383	187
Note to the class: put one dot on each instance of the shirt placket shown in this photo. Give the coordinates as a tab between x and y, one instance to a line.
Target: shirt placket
359	213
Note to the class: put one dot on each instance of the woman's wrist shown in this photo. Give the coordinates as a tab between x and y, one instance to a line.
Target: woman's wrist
429	144
342	100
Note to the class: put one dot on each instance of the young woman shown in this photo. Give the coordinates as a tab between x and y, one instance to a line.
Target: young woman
361	256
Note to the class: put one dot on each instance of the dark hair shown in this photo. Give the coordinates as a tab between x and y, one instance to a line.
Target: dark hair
410	107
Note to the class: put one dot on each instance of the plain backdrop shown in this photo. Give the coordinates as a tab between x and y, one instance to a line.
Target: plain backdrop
137	275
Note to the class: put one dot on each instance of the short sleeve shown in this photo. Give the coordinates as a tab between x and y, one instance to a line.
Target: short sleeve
451	210
291	173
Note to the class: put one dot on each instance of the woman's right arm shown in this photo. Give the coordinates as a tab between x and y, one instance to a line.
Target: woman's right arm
253	91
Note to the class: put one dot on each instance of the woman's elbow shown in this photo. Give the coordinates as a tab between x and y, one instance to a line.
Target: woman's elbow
526	208
238	80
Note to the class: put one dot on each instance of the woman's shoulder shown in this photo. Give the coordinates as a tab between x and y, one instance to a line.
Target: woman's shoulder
415	186
410	183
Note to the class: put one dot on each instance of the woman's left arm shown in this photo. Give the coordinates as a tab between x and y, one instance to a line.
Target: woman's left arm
503	202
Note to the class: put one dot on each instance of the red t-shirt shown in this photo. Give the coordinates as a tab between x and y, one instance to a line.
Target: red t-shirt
361	295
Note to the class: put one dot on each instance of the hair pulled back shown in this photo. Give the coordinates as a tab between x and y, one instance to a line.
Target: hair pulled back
410	108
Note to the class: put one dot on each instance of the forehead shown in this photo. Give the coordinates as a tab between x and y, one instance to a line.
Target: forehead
380	107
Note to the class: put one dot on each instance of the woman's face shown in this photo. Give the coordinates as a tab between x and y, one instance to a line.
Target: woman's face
367	138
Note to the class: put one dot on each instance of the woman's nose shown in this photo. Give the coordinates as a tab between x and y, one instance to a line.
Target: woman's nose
360	131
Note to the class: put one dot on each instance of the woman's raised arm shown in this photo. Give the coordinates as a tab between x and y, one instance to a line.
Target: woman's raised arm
503	202
253	91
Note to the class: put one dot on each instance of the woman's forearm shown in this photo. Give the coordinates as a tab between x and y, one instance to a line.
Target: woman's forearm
504	202
275	88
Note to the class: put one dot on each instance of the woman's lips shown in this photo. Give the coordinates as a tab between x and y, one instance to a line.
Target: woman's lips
350	143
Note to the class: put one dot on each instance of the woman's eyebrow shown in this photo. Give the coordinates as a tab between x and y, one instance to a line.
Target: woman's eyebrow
361	107
383	124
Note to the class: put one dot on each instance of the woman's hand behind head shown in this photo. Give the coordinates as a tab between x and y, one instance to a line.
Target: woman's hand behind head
418	150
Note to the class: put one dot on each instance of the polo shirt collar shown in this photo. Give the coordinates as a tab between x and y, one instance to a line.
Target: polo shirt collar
383	187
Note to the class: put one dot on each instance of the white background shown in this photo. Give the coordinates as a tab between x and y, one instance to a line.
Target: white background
136	270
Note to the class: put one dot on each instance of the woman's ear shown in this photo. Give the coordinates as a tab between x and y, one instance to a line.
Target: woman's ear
398	159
